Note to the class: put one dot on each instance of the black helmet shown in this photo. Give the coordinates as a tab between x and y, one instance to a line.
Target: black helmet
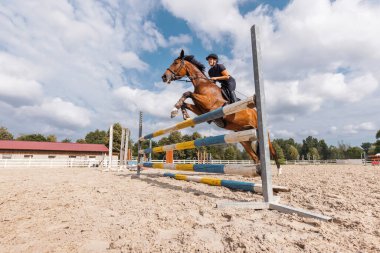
214	56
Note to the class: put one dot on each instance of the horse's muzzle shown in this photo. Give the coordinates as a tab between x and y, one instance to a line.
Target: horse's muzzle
166	79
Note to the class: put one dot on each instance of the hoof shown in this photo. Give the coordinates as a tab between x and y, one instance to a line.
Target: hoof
174	112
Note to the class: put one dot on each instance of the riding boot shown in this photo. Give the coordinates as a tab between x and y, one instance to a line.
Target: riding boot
233	97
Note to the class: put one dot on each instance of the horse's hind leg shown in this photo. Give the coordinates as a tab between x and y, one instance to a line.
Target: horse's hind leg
192	108
247	145
179	104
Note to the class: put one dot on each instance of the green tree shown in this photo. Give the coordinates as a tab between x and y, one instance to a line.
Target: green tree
335	153
292	153
313	153
96	137
280	153
66	140
230	153
307	145
323	150
366	146
354	153
83	141
5	134
31	137
377	143
51	138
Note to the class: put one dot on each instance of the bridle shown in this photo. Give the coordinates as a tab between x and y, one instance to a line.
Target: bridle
174	76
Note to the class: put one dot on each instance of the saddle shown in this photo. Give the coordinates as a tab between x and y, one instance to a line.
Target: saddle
227	96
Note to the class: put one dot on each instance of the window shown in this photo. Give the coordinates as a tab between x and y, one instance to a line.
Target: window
51	156
7	156
28	156
72	156
91	156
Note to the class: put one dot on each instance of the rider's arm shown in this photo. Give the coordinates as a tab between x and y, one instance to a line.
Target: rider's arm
225	76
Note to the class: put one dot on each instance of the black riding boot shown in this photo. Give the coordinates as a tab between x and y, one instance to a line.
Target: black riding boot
233	97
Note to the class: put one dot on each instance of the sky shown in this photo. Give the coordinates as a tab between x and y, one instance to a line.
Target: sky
68	67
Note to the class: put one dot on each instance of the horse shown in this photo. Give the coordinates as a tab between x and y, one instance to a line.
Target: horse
207	96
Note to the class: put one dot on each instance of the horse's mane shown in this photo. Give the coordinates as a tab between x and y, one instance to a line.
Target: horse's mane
191	59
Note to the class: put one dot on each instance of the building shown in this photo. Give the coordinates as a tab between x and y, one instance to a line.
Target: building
51	150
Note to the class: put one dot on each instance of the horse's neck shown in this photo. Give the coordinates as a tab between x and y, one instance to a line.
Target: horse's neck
198	79
207	95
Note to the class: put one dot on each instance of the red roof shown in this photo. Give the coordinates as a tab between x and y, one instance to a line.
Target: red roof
51	146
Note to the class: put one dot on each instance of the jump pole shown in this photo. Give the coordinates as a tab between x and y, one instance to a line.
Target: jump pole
266	171
231	184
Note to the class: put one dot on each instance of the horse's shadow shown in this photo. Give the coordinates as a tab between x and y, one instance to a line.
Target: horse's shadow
150	179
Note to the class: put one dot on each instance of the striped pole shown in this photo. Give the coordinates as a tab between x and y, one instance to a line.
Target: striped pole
247	135
233	169
231	184
215	114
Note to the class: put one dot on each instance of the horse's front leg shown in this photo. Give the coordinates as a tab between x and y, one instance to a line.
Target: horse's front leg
179	104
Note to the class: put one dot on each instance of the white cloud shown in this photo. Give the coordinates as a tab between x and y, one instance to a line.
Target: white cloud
333	130
157	104
317	55
309	132
74	55
130	60
19	91
357	128
58	111
283	134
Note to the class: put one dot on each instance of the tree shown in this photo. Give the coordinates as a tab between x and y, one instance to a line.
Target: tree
292	153
354	153
280	153
51	138
377	143
66	140
83	141
5	134
377	147
96	137
31	137
230	153
323	150
314	154
307	144
366	146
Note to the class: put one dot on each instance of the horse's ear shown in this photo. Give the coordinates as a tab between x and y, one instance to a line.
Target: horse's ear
182	54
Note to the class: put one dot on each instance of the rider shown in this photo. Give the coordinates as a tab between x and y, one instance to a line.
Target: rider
218	72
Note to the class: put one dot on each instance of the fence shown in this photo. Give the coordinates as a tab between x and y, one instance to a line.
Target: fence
75	163
50	163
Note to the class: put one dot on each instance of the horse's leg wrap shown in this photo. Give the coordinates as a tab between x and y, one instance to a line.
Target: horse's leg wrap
179	104
184	112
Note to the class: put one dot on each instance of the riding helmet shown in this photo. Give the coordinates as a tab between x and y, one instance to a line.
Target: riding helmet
214	56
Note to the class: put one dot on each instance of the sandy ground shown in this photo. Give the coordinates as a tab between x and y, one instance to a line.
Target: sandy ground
85	210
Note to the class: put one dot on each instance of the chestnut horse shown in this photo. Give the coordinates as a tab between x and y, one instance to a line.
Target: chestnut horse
207	96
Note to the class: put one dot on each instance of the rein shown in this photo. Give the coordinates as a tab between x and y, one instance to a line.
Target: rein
175	76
